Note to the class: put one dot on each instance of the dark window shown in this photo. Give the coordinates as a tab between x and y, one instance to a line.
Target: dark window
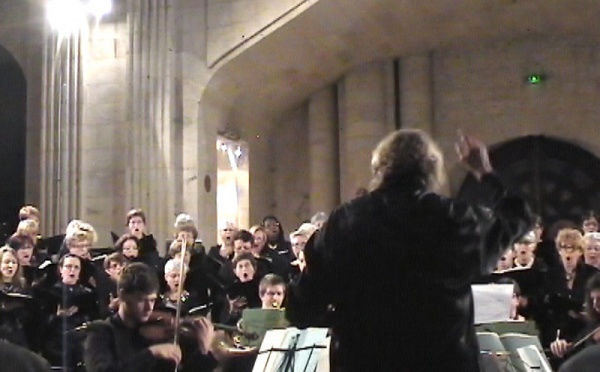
560	180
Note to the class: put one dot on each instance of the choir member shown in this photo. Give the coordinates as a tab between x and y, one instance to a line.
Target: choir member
14	299
148	253
591	249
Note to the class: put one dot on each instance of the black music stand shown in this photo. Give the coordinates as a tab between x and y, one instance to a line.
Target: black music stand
292	350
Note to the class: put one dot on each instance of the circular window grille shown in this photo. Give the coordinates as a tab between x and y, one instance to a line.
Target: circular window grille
559	180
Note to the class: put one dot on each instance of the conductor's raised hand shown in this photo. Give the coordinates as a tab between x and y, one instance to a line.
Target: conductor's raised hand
473	154
166	352
205	333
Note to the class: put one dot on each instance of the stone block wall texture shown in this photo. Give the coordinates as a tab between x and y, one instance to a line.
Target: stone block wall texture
232	23
481	91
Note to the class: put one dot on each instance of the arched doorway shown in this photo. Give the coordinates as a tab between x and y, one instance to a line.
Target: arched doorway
560	180
13	106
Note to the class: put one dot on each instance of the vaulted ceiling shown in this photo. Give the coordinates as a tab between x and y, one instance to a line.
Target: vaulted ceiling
332	36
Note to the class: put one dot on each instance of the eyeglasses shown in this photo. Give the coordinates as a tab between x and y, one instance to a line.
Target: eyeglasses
569	247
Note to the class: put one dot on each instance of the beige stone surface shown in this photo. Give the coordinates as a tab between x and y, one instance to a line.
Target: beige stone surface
151	114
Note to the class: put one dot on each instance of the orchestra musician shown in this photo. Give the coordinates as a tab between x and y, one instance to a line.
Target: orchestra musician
420	251
562	346
118	343
271	291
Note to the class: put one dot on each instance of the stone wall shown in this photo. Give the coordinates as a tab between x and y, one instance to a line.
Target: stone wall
234	25
481	91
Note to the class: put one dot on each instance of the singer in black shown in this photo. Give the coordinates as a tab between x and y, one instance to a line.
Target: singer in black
391	271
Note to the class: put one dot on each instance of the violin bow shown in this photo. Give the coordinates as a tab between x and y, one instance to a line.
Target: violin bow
179	293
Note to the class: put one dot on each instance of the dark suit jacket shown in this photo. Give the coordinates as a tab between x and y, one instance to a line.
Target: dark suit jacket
396	267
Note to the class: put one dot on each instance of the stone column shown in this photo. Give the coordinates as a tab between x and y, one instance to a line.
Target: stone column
61	124
323	151
363	125
416	96
151	169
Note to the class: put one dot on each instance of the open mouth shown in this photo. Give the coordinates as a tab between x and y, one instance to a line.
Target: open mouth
245	275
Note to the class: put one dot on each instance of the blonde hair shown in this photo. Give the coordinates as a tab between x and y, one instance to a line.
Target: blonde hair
306	230
17	279
28	211
408	155
28	227
589	238
569	237
83	232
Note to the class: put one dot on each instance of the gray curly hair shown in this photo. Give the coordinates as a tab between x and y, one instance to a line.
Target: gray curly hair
408	155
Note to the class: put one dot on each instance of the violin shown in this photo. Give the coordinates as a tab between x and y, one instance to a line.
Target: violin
161	328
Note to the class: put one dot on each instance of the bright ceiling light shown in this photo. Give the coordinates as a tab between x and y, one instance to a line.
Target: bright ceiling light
66	16
99	8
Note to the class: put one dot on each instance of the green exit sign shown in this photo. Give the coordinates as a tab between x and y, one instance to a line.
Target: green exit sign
535	79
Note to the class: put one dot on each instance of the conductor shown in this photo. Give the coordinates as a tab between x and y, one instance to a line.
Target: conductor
391	271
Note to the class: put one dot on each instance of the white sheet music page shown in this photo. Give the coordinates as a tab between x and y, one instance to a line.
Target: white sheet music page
492	302
291	350
533	359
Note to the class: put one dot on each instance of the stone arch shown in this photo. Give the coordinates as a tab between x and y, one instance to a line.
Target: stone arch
559	179
13	111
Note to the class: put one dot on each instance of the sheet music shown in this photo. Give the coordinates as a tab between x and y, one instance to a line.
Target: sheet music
533	359
492	302
285	341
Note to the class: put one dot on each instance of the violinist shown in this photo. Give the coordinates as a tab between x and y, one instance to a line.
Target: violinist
563	346
118	343
12	286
